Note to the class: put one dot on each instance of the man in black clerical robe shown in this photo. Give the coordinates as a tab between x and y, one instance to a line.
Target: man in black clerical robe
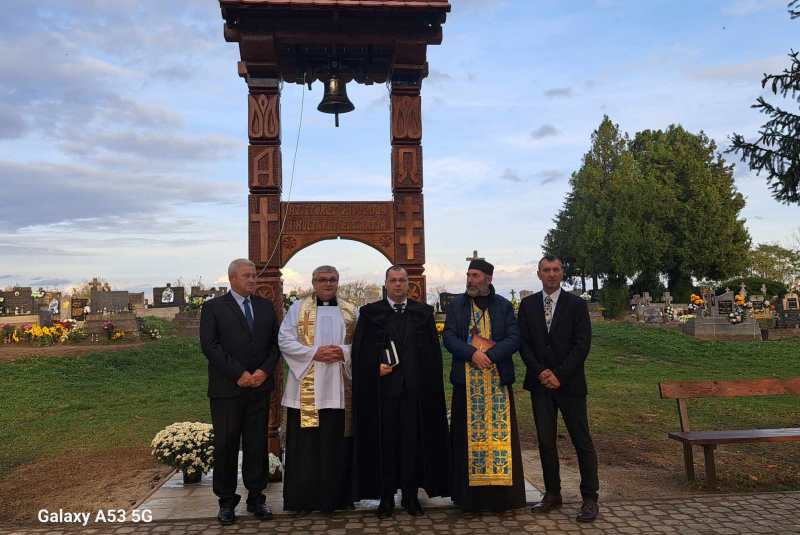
401	435
487	460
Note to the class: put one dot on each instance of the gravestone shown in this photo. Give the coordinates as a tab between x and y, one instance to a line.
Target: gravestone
109	302
790	312
136	299
445	299
666	297
653	314
743	291
723	305
18	301
167	296
717	325
525	293
78	305
125	321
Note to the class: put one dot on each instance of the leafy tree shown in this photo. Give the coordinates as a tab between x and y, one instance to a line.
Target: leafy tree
698	208
771	261
777	150
561	241
619	232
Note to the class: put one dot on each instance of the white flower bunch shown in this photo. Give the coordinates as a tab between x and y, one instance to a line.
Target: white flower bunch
586	297
274	464
187	446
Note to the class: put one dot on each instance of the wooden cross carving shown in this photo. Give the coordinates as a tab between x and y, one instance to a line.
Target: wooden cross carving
264	218
475	256
408	223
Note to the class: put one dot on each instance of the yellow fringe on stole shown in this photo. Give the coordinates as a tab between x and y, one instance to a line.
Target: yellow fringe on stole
488	418
309	416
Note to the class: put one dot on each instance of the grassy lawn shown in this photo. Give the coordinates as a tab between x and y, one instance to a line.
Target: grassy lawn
98	401
103	401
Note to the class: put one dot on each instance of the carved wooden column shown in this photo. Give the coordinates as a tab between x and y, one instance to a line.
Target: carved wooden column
406	132
265	182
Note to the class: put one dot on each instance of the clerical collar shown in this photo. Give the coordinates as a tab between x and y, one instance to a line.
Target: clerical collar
331	303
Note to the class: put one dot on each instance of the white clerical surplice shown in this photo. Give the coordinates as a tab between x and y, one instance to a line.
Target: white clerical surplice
330	329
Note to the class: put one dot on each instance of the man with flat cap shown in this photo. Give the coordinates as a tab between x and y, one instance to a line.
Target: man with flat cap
482	334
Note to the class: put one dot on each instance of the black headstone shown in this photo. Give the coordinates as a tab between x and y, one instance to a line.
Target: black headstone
445	299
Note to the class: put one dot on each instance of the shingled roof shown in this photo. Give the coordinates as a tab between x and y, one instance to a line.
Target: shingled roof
405	5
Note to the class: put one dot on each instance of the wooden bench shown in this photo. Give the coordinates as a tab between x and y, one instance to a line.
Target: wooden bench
709	439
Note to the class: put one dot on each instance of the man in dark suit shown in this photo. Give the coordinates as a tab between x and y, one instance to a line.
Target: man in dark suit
239	337
401	434
556	334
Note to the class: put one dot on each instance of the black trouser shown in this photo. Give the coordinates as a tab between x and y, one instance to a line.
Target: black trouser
244	417
545	415
400	439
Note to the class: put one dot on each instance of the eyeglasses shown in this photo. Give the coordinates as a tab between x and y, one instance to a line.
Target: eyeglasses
395	281
327	281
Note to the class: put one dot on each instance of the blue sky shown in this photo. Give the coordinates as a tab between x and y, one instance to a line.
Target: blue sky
123	131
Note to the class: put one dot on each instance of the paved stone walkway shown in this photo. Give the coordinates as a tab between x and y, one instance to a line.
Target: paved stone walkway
174	501
774	514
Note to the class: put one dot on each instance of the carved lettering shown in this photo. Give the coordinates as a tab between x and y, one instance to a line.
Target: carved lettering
407	167
406	118
263	121
264	166
338	217
416	289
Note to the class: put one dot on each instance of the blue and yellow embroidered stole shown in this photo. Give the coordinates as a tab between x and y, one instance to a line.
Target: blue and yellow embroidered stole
488	417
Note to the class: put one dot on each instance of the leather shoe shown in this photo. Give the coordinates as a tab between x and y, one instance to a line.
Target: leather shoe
588	512
260	510
385	508
226	516
548	503
413	507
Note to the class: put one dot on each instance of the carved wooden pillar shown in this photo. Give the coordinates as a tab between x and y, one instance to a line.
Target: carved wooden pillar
406	132
265	183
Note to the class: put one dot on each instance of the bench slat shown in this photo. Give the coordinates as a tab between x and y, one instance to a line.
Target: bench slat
699	438
713	389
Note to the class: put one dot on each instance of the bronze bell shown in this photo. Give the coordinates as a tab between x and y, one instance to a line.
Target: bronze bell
335	98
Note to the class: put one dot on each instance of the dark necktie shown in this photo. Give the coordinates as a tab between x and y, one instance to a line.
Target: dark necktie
248	314
398	307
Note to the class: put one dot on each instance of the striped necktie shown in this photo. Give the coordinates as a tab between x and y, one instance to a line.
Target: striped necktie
548	311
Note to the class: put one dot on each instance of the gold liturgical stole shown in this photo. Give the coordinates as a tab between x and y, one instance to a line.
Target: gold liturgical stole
306	322
488	417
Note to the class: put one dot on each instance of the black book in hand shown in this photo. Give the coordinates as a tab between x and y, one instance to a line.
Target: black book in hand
390	356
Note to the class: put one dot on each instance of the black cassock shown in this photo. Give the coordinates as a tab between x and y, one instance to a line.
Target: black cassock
401	435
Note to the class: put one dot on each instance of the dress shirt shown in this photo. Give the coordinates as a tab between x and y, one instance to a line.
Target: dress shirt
392	303
240	300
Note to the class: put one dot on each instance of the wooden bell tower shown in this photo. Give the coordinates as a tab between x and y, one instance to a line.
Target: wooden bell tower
373	42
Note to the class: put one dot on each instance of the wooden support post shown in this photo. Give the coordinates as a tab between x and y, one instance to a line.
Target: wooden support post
688	457
688	461
711	472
